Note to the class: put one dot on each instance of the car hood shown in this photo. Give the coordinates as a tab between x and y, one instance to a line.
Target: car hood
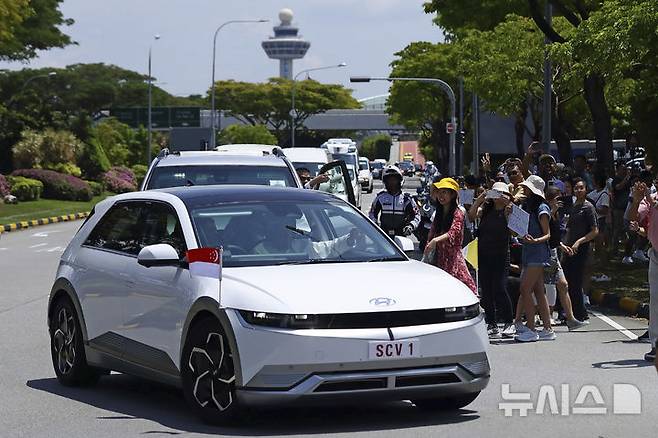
342	288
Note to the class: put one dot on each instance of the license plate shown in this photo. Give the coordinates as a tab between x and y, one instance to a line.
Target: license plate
394	349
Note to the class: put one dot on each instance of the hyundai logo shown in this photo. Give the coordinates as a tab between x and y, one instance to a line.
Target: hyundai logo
382	301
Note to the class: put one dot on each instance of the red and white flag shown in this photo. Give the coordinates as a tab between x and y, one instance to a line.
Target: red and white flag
205	262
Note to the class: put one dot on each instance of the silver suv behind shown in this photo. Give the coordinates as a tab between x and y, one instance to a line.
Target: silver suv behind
220	168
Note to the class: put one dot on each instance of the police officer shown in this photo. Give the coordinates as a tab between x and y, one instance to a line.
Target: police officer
394	211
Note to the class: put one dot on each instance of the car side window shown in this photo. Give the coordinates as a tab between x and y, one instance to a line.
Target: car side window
119	229
161	225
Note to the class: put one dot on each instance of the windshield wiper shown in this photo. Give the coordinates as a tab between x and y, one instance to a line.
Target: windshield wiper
386	259
296	230
307	262
189	183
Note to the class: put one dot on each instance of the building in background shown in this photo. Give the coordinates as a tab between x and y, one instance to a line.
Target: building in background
286	45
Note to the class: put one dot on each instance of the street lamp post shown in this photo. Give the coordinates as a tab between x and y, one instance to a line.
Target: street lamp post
213	122
150	104
293	114
453	107
48	75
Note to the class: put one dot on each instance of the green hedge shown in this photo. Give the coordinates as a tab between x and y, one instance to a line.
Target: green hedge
25	189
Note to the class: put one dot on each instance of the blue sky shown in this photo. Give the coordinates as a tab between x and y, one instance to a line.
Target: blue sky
362	33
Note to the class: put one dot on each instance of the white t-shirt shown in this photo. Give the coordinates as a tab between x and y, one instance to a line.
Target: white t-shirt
600	199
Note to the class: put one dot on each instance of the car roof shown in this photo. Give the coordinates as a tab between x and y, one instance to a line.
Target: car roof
213	158
306	155
199	195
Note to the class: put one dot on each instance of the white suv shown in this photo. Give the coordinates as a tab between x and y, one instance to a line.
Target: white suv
281	316
240	165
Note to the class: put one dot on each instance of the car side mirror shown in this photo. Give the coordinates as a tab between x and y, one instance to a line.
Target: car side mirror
161	254
405	244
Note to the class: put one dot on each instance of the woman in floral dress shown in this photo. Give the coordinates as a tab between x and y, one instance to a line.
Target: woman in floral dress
447	233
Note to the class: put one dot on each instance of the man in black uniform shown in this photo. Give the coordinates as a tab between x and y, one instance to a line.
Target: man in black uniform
394	211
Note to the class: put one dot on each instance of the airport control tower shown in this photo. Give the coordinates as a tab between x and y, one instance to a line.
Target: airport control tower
286	45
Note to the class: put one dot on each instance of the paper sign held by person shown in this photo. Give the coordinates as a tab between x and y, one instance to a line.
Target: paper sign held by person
518	221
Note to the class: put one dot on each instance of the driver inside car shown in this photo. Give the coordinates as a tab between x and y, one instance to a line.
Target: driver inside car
282	236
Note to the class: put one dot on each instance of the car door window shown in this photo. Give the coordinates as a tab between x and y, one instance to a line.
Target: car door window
119	230
161	225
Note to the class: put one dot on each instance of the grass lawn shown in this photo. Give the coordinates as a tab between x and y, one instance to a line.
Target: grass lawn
25	211
626	281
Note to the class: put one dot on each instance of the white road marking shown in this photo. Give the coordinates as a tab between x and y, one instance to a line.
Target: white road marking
630	335
38	245
45	234
4	249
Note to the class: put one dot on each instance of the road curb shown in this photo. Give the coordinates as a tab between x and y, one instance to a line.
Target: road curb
630	306
43	221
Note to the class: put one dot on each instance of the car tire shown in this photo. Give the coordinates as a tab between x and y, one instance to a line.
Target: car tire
67	348
447	403
208	374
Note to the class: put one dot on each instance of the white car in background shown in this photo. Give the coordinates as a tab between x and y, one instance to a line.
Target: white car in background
236	164
311	159
280	317
344	149
365	175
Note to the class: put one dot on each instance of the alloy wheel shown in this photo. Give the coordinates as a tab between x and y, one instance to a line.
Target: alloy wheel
64	341
212	369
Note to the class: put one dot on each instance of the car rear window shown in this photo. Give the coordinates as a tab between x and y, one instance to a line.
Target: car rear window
176	176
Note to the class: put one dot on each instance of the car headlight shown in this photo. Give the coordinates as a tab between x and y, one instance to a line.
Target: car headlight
279	320
453	314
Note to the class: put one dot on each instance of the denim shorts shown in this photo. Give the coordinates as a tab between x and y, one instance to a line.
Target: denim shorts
535	254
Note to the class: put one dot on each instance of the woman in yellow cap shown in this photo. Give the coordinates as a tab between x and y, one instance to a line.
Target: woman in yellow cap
447	233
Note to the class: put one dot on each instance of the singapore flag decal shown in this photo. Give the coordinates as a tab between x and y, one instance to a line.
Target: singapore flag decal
206	262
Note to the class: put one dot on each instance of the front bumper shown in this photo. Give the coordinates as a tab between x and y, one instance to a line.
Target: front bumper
286	366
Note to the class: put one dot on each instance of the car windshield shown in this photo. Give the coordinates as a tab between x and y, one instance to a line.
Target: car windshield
286	232
313	168
349	159
363	165
176	176
377	165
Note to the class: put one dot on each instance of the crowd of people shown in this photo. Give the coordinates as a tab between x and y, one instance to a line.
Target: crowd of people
575	216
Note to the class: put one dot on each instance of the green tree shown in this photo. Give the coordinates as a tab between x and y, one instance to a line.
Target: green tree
29	26
376	146
93	160
269	103
504	66
459	17
256	134
121	143
425	107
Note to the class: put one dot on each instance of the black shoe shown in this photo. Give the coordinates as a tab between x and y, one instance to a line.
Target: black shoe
650	356
644	338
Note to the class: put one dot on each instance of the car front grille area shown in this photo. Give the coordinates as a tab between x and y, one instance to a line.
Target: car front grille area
394	319
363	320
409	381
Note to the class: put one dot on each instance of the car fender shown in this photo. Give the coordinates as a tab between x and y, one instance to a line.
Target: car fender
62	285
207	304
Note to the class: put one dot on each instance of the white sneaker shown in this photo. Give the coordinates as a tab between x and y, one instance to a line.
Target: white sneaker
509	331
546	335
640	255
627	260
586	300
600	278
527	336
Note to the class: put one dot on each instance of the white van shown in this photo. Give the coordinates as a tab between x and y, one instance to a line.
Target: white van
311	159
345	149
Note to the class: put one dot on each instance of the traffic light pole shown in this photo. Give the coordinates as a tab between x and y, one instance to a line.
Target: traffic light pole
453	110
